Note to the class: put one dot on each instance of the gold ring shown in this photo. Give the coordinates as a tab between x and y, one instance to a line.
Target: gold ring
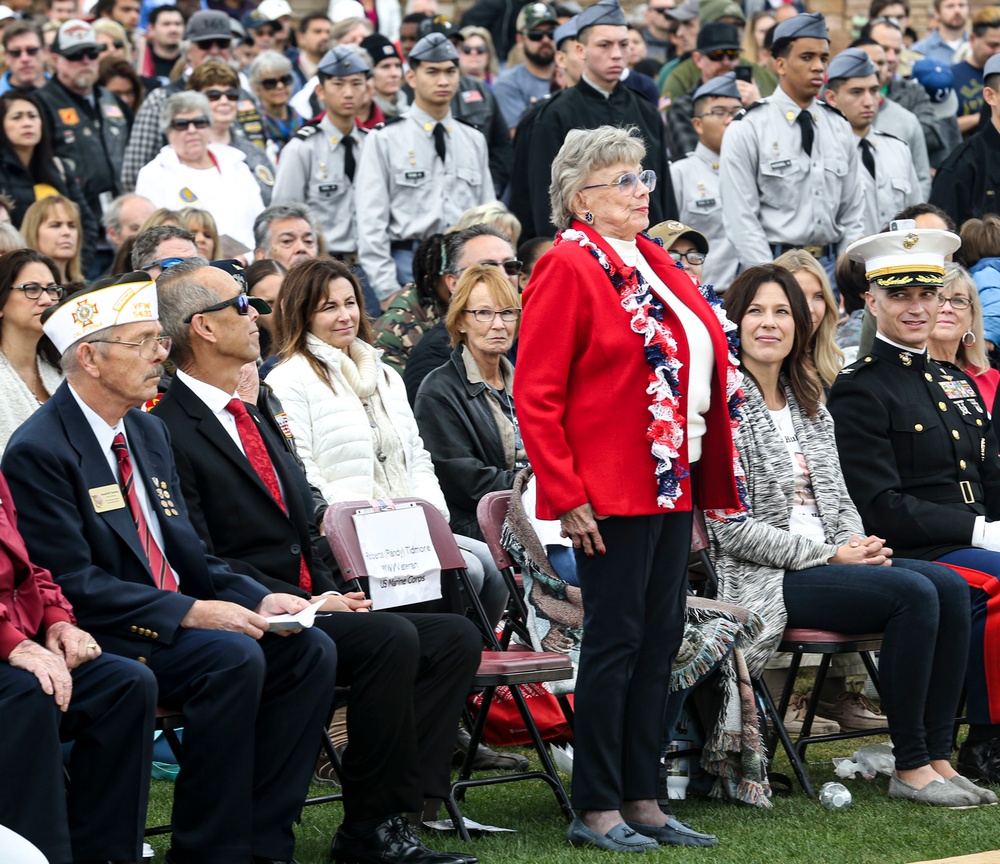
91	644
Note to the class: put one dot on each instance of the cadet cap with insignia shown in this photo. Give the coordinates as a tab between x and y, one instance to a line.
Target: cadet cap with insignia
434	48
605	12
74	37
566	31
534	14
235	268
722	85
206	24
379	48
130	298
992	66
851	63
341	61
672	230
808	25
901	259
687	11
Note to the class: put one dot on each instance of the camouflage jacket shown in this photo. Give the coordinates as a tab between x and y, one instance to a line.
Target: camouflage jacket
402	326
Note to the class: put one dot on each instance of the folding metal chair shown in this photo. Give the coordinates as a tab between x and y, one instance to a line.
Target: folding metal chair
497	667
168	722
491	513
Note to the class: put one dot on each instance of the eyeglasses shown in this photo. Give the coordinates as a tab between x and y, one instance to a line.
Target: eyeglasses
163	263
181	125
32	290
662	10
266	31
539	35
88	54
957	303
209	44
17	52
147	347
474	49
215	95
690	257
720	113
628	183
488	316
724	54
240	301
274	83
118	44
511	267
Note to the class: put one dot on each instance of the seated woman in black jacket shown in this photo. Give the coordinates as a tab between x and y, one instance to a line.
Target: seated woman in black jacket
465	408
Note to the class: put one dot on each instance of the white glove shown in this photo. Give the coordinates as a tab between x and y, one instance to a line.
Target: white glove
986	535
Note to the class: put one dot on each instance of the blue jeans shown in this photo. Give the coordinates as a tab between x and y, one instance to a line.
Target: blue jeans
923	610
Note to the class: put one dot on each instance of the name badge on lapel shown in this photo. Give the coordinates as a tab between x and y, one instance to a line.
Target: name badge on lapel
106	498
163	497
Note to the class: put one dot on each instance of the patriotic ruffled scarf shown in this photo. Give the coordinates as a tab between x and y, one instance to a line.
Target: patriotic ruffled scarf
666	430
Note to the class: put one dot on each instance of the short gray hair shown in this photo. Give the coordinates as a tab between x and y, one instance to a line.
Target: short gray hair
10	238
291	210
268	63
179	295
182	103
146	243
583	152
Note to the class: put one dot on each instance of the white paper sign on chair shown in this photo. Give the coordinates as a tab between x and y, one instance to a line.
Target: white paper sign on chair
400	560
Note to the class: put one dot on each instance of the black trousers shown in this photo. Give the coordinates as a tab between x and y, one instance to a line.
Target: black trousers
409	674
110	721
633	623
253	714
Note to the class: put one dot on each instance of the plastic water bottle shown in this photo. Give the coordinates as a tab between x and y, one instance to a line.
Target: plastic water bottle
678	770
835	796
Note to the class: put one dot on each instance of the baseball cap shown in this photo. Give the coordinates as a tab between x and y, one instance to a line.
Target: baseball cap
75	36
206	24
534	14
718	37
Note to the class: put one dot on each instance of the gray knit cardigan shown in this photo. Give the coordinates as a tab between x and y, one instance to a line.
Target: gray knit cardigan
751	555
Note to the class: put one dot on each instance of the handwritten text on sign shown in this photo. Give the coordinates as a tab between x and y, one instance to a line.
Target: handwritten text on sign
400	560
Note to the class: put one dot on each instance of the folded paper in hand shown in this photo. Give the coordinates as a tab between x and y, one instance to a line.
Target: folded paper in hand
297	621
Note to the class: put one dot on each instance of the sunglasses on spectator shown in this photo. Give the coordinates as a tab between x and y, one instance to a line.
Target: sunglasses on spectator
662	10
17	52
32	290
511	267
163	263
88	54
183	125
628	183
215	95
723	54
240	301
208	44
720	113
690	257
539	35
267	31
274	83
474	49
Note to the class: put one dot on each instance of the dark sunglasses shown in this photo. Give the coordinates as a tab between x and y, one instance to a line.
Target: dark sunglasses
163	263
539	35
118	44
511	267
724	54
197	122
662	10
88	54
17	52
208	44
240	301
474	49
272	83
266	31
215	95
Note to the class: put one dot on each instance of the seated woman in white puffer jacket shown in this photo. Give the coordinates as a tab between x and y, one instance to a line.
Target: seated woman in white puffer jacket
353	426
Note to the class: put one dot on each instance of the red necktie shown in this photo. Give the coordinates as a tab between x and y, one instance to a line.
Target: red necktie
163	576
260	461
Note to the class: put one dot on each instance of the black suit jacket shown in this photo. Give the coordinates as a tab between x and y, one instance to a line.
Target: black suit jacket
232	510
52	464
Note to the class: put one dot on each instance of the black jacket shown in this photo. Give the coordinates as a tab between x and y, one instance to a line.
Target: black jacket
967	184
460	432
431	351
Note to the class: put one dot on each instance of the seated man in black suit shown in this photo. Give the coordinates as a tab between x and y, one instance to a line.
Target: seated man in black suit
250	503
101	474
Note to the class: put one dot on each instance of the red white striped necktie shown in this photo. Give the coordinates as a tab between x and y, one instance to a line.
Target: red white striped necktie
163	576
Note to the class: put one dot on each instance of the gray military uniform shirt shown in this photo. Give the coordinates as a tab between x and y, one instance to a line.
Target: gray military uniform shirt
699	205
406	193
895	185
772	192
905	125
312	170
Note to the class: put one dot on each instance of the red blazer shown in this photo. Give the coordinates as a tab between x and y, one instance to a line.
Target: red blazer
30	601
581	389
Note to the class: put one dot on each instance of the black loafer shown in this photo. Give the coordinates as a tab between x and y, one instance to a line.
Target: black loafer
980	761
393	841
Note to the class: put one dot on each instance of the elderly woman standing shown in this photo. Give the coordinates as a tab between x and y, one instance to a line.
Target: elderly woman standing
191	171
271	78
624	384
465	409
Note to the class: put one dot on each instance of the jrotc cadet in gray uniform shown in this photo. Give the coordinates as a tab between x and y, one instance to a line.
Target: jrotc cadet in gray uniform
789	167
696	177
419	172
319	164
885	164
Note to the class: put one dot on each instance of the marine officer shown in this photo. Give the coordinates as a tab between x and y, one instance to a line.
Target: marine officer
919	457
788	170
419	172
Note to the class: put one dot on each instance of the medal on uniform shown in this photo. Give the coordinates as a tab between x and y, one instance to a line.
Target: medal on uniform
957	389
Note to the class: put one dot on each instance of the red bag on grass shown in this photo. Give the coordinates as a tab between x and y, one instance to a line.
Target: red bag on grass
505	726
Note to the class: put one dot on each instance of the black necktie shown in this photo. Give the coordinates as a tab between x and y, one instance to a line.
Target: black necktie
806	122
439	140
866	156
349	165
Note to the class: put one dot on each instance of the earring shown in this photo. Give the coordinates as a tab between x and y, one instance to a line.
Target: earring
588	217
968	338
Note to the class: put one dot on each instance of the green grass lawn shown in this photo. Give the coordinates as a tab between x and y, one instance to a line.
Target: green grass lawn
874	829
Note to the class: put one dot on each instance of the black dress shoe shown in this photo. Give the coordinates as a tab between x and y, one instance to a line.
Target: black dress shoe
980	761
257	859
393	841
